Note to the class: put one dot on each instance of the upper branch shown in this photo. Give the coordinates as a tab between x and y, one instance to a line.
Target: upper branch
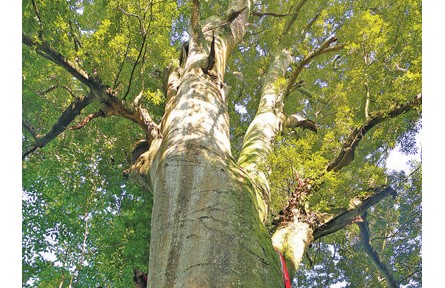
352	215
260	14
322	49
347	152
294	18
194	22
49	53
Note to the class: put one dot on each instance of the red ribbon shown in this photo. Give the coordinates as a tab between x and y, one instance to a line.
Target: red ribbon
285	272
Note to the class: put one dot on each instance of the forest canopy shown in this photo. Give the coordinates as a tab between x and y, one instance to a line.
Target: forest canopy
96	90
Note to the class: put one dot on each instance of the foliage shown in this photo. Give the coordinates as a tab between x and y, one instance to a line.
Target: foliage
84	224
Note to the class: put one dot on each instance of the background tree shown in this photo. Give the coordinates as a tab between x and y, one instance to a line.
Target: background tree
317	95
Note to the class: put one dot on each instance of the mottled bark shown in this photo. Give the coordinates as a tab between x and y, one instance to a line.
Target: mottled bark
268	121
206	230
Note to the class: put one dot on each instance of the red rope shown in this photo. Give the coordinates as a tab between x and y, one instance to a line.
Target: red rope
285	272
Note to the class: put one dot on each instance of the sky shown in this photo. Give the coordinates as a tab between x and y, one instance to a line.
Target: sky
399	161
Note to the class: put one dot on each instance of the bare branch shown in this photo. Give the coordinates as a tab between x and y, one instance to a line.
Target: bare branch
144	39
347	152
364	235
261	14
62	123
352	215
87	119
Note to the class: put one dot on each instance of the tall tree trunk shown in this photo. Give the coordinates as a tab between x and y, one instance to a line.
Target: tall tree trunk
206	229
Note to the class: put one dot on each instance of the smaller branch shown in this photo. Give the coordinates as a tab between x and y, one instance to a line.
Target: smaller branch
141	21
87	119
138	97
293	19
71	112
346	155
398	68
70	91
261	14
368	100
122	64
34	148
39	19
76	40
234	14
29	128
309	25
144	39
322	49
364	236
410	275
47	90
352	215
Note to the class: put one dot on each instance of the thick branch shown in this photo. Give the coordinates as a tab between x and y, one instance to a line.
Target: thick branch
49	53
268	121
364	235
113	106
347	152
351	216
62	123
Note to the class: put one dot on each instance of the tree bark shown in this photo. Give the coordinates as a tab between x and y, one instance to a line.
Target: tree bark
205	228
